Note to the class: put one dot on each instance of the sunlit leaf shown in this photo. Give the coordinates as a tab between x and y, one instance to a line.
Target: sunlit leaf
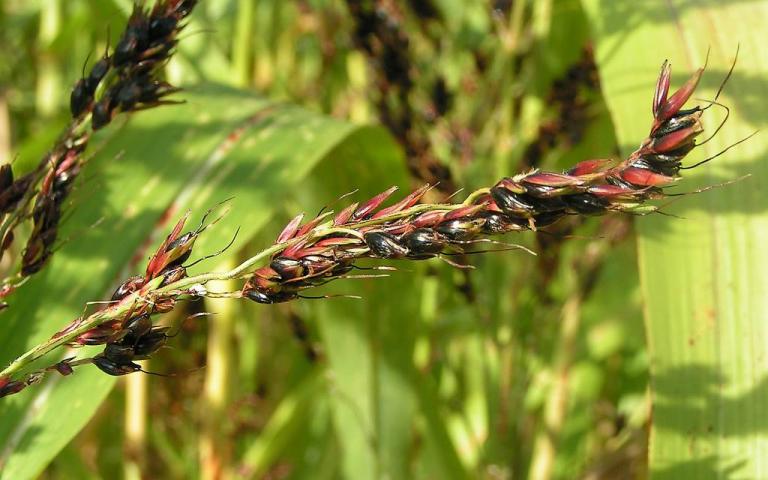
702	275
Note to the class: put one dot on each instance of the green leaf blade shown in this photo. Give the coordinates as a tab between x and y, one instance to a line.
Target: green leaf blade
702	276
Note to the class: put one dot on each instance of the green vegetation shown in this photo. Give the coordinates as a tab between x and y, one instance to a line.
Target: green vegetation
629	347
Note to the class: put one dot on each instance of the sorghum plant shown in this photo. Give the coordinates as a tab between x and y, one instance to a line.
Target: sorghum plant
327	247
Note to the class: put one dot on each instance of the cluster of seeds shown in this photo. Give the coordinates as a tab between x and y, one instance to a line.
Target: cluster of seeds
135	337
132	336
49	201
326	248
136	340
527	201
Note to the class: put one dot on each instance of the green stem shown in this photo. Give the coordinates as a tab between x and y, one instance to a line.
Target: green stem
548	437
242	45
135	425
49	78
5	130
216	445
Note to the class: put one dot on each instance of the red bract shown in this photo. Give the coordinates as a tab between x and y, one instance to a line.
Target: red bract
548	179
372	204
511	184
174	251
462	212
345	215
668	108
590	167
662	89
677	140
427	218
312	224
407	202
645	178
290	230
615	192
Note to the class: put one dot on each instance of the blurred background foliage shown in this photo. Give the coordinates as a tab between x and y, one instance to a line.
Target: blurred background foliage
526	367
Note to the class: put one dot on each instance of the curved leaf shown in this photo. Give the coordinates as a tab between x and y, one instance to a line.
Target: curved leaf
702	276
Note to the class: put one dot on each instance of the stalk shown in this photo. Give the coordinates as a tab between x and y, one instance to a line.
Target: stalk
547	439
135	426
242	42
556	407
48	79
5	130
215	446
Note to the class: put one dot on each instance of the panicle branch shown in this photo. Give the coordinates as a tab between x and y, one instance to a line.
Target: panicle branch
327	247
127	80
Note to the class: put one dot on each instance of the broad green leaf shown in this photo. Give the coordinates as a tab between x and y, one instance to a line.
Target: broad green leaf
702	275
222	143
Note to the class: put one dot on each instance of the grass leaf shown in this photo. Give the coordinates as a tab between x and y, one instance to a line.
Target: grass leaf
702	275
